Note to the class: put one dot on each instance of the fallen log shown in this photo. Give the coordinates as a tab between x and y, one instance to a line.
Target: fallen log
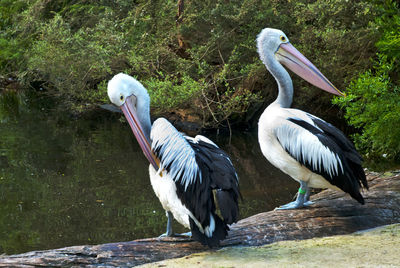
333	213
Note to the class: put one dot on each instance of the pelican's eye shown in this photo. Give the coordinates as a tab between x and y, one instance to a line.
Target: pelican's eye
121	97
283	39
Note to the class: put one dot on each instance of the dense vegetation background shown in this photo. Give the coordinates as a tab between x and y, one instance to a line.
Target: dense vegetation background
199	57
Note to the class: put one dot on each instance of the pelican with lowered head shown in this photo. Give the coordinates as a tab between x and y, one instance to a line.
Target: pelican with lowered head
310	150
190	176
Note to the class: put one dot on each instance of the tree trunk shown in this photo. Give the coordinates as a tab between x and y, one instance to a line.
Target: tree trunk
182	44
333	213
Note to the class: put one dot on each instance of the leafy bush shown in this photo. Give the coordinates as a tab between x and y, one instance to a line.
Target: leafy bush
172	93
11	47
74	46
372	104
74	63
372	101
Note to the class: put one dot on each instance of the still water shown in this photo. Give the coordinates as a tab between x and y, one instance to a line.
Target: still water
72	181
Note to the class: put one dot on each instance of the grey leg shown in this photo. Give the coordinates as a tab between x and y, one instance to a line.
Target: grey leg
169	225
302	198
307	201
169	232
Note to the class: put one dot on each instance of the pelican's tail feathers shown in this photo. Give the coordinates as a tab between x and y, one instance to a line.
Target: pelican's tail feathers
218	234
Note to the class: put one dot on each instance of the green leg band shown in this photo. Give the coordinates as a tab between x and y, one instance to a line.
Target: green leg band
301	191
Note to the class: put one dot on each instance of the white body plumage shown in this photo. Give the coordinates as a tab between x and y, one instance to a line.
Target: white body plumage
165	189
271	121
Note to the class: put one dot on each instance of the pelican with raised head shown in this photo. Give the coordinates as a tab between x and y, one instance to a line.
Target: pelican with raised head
190	176
310	150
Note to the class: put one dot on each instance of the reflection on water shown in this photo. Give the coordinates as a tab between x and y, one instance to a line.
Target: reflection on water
66	181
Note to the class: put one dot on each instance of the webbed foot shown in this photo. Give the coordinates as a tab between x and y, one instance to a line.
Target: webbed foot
308	203
291	205
187	235
302	199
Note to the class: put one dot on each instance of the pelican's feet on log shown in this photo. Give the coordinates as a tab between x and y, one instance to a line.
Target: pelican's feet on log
294	205
291	205
187	235
308	203
165	235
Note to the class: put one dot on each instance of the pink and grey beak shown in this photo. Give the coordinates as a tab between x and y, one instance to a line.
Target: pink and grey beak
129	111
300	65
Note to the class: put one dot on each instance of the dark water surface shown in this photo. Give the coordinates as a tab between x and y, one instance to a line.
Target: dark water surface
67	181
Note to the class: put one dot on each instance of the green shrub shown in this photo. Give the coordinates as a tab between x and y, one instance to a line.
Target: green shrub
372	103
11	46
169	93
74	46
74	63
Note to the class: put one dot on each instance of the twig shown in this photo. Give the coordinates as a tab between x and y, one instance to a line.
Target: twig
220	55
230	131
208	106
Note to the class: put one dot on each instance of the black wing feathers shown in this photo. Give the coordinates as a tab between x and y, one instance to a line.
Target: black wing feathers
227	202
352	176
350	152
217	174
223	178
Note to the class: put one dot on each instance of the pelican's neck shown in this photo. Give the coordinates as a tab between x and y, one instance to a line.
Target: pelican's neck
143	105
282	77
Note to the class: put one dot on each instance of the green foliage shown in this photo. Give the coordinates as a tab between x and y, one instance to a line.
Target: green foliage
389	43
171	92
372	104
372	101
74	62
74	46
11	48
9	52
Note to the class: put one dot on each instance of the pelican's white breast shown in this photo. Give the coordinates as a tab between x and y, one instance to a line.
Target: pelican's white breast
165	189
275	117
